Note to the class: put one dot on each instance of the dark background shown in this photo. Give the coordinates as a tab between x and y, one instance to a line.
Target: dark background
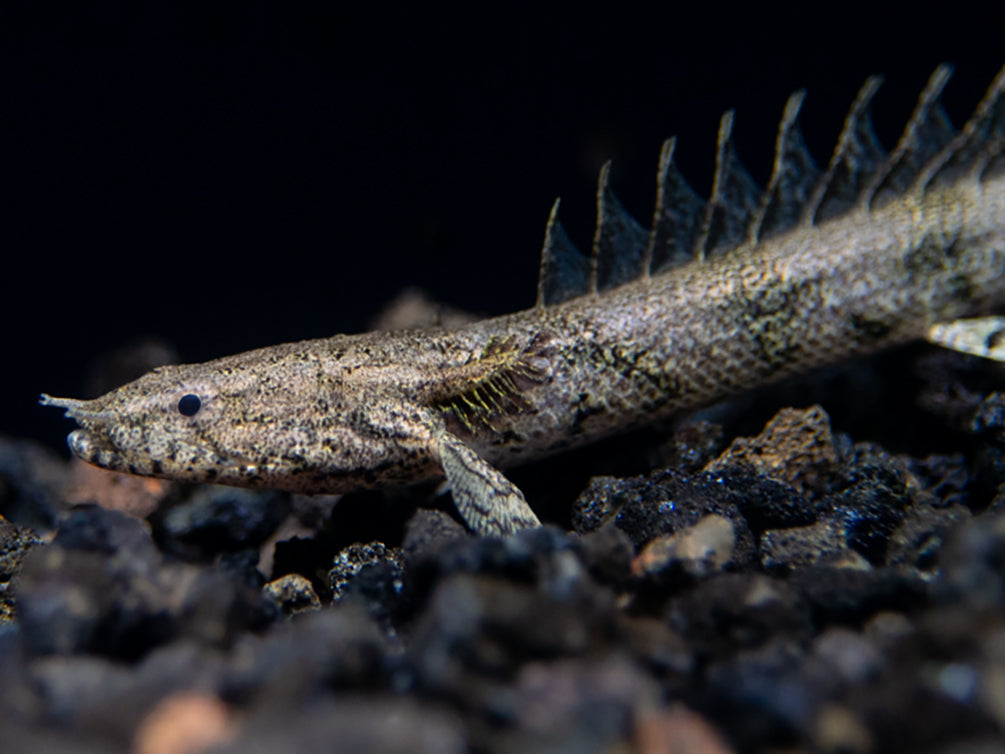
230	175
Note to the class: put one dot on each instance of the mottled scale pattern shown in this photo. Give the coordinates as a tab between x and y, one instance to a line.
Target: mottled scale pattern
717	297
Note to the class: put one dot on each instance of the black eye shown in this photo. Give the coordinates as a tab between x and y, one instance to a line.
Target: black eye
189	405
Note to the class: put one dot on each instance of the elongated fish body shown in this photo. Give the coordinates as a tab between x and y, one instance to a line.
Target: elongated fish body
715	298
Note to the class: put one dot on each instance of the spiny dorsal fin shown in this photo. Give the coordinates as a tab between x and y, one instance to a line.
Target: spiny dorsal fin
676	217
925	135
565	272
619	243
857	156
977	145
859	174
734	197
792	179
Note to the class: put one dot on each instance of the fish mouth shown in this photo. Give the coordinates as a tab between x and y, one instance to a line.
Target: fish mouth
85	444
82	444
94	441
98	450
89	447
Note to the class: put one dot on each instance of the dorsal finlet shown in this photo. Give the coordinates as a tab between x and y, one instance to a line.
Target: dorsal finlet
855	158
564	271
734	197
979	138
927	132
619	242
792	178
676	216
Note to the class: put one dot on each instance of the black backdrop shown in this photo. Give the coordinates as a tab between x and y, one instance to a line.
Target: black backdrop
230	175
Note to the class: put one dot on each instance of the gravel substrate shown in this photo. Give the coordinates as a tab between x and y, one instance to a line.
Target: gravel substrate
768	584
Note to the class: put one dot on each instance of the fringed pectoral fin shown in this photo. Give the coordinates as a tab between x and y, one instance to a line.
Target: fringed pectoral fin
487	501
982	336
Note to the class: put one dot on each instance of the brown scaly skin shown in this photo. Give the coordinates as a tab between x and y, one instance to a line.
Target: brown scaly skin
375	409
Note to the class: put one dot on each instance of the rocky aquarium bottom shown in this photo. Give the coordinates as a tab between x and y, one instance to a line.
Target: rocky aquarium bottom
794	589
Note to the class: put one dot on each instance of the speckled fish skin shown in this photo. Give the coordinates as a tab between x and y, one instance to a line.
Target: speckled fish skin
375	409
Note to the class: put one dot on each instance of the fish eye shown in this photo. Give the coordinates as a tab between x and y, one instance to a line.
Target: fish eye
189	405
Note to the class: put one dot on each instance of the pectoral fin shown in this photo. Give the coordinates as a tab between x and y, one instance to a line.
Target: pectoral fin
983	336
487	501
